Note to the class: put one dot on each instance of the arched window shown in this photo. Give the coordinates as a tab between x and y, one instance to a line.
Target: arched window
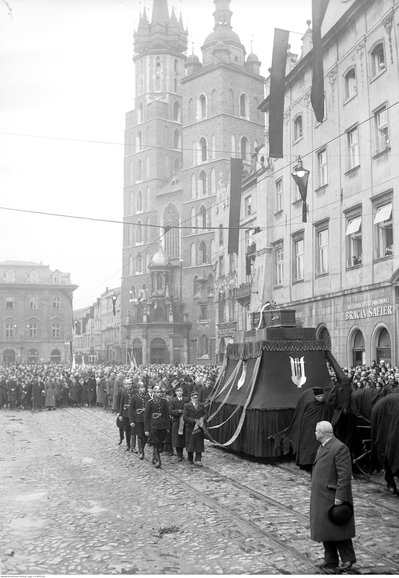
202	150
193	187
202	217
383	351
213	181
201	106
131	172
231	99
211	288
148	231
193	221
298	127
131	265
147	167
221	231
202	253
378	63
170	223
350	83
139	206
158	83
139	141
233	146
55	356
132	293
203	346
244	105
324	335
176	139
139	233
139	172
213	147
131	235
177	112
195	153
202	184
193	260
144	291
358	351
244	146
139	264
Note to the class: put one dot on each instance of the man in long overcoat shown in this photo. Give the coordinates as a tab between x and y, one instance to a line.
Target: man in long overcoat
331	485
176	407
194	411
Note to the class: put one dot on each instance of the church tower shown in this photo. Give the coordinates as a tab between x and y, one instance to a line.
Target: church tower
221	121
152	189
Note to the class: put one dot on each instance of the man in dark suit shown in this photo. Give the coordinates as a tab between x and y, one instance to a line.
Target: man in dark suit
331	486
156	423
176	406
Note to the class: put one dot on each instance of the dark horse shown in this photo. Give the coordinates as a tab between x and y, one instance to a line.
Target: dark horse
385	436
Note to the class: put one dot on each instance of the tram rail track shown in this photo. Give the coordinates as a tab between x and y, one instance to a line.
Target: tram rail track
207	487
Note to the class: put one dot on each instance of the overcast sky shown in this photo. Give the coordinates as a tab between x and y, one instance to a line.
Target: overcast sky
66	82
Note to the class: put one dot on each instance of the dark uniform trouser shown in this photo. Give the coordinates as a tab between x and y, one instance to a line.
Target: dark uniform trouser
345	549
126	427
156	439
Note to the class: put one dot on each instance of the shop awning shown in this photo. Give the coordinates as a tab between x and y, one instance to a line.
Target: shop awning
383	213
353	226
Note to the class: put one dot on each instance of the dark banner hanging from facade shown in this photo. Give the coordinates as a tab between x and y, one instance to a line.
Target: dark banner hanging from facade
236	169
277	82
319	8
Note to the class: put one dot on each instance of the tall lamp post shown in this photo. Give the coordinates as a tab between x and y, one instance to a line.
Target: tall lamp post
301	177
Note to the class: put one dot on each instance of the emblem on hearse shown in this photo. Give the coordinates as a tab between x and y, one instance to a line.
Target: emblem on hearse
298	371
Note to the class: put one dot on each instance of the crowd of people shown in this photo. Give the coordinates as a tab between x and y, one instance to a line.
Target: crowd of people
377	376
159	404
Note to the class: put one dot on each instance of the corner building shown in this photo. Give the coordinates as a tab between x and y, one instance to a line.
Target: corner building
340	269
190	118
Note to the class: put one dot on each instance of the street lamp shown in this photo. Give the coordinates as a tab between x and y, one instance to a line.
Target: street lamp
301	177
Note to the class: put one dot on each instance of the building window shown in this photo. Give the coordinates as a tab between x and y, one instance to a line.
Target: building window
193	221
33	277
139	233
244	105
383	230
202	184
202	150
201	106
56	303
378	64
278	264
140	113
232	262
298	252
203	312
248	206
221	266
176	140
33	303
202	253
10	303
354	241
358	349
139	141
55	330
353	148
279	195
221	240
139	175
10	330
350	84
202	218
10	277
193	259
298	127
322	167
139	204
244	148
381	130
139	264
383	350
32	328
322	250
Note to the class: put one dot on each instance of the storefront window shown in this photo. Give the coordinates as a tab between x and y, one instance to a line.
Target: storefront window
358	353
383	346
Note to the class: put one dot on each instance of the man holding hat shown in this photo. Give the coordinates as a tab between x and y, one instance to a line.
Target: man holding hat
331	502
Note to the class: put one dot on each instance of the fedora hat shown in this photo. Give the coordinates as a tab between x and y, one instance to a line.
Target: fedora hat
340	515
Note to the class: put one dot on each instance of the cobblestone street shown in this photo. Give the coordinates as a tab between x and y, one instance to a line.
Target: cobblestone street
74	502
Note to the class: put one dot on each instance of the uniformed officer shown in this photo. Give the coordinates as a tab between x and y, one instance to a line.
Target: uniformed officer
156	418
136	416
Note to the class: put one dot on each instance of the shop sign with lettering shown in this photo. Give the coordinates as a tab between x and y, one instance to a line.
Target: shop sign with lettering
369	308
